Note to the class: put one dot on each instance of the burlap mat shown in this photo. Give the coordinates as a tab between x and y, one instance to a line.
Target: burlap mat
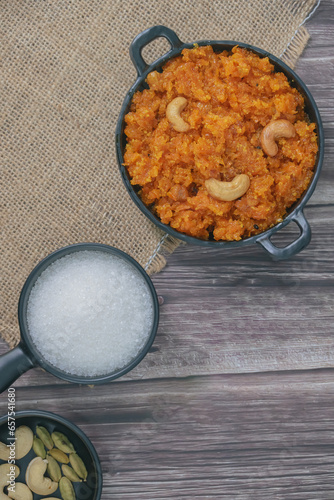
64	74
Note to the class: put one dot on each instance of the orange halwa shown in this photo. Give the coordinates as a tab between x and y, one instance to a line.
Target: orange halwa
231	96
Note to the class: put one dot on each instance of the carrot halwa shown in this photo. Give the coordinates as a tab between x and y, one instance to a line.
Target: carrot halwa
230	97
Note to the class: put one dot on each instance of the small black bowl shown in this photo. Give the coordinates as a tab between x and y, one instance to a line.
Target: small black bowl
90	489
25	356
295	213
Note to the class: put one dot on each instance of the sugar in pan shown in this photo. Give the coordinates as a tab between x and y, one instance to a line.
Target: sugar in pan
90	313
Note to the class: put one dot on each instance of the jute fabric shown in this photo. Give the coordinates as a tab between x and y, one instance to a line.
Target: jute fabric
65	70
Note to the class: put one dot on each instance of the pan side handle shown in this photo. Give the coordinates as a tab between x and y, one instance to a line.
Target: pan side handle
147	37
12	365
293	248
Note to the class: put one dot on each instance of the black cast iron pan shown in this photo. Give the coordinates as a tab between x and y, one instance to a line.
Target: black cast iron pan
25	356
295	213
91	489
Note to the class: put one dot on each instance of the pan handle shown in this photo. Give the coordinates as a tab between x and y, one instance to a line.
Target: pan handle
12	365
147	36
296	246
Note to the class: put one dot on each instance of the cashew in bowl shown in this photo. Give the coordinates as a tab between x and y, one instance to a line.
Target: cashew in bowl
22	492
173	114
35	478
228	191
4	451
273	131
6	472
24	440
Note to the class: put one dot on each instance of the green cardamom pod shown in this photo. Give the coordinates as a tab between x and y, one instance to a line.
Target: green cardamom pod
45	436
53	469
66	489
38	447
70	473
78	466
59	455
62	442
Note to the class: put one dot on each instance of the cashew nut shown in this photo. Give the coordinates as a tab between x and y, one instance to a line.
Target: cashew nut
228	191
35	478
4	451
273	131
173	113
6	472
24	439
23	444
21	492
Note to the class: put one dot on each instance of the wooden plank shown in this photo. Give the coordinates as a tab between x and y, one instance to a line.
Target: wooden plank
237	311
230	311
244	437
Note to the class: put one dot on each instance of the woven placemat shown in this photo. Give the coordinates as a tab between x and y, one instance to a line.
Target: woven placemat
65	70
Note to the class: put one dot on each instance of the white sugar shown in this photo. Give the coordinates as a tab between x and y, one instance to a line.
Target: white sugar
90	313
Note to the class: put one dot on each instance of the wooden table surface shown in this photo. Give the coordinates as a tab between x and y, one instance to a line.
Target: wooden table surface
235	400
